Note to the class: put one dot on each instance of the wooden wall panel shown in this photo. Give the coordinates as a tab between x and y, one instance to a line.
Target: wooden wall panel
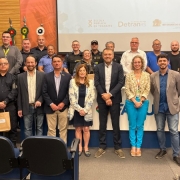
10	9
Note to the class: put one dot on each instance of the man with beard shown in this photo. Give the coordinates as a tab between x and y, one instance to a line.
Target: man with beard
45	63
109	79
174	56
26	51
30	97
165	87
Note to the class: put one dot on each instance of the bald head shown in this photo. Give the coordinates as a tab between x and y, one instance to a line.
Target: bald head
175	47
41	41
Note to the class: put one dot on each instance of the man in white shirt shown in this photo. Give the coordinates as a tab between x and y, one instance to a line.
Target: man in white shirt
128	55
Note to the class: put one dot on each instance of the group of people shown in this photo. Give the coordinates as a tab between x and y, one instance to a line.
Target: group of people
64	91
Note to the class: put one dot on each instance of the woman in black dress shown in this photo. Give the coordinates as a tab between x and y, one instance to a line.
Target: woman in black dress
81	95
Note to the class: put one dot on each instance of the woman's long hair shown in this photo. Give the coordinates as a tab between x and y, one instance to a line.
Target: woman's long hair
77	79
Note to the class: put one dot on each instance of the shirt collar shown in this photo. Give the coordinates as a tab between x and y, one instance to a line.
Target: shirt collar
33	74
165	73
133	52
108	65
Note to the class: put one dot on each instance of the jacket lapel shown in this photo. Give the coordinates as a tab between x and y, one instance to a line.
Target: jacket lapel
169	79
25	81
157	81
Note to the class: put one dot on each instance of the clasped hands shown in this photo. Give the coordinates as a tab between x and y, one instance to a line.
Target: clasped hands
60	106
137	104
107	98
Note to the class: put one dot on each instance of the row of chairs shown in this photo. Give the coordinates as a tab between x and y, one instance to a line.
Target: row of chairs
40	156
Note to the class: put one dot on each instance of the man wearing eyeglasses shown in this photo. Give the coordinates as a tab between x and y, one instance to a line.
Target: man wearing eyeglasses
8	94
128	55
11	53
152	57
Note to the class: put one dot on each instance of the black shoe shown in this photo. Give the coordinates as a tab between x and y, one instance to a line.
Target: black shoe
87	153
176	159
161	154
80	153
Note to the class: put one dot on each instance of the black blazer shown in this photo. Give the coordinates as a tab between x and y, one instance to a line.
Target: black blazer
49	91
117	82
23	97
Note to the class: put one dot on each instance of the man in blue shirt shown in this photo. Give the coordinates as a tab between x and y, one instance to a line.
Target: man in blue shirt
152	57
165	87
45	63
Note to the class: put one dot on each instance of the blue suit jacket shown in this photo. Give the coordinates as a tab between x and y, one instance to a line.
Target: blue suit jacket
49	91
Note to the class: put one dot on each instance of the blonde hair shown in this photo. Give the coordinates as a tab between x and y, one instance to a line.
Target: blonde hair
142	61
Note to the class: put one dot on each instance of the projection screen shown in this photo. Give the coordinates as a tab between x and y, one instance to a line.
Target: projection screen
118	21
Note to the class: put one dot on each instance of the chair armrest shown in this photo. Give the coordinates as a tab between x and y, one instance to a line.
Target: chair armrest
74	145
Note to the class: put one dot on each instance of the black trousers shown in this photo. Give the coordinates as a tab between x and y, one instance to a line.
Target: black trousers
103	114
12	134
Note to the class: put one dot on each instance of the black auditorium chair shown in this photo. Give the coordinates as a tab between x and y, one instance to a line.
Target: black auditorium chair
9	161
48	158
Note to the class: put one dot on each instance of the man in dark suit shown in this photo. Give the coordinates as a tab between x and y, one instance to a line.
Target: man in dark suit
55	94
109	79
30	97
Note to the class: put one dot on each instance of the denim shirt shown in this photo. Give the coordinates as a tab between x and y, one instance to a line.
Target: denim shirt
163	105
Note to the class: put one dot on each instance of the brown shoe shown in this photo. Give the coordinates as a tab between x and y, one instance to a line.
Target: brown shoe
120	153
99	153
133	151
138	152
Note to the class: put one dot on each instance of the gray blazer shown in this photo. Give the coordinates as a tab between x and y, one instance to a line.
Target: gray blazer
23	97
172	91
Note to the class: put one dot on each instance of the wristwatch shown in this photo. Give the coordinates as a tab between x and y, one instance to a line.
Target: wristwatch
5	102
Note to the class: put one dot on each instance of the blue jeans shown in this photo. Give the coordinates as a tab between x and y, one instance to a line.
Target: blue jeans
173	121
28	122
136	117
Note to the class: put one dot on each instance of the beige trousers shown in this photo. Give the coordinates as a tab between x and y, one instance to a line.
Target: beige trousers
61	119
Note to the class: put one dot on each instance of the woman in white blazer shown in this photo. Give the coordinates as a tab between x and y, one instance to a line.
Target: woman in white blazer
81	96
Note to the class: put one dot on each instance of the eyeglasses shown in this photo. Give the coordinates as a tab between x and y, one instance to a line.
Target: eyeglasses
5	37
134	42
156	44
1	64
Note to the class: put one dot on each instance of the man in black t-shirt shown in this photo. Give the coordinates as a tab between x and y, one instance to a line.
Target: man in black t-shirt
174	56
73	57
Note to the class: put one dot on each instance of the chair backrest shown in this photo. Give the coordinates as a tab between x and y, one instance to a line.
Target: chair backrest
6	153
45	155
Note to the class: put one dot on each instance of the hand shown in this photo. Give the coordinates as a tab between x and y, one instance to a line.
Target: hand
106	96
20	113
2	105
109	102
82	113
138	104
54	107
37	104
61	106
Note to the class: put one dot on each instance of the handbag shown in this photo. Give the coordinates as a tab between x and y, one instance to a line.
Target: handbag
5	124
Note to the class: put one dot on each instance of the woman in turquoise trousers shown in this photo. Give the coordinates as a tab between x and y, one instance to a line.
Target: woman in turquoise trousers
137	87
